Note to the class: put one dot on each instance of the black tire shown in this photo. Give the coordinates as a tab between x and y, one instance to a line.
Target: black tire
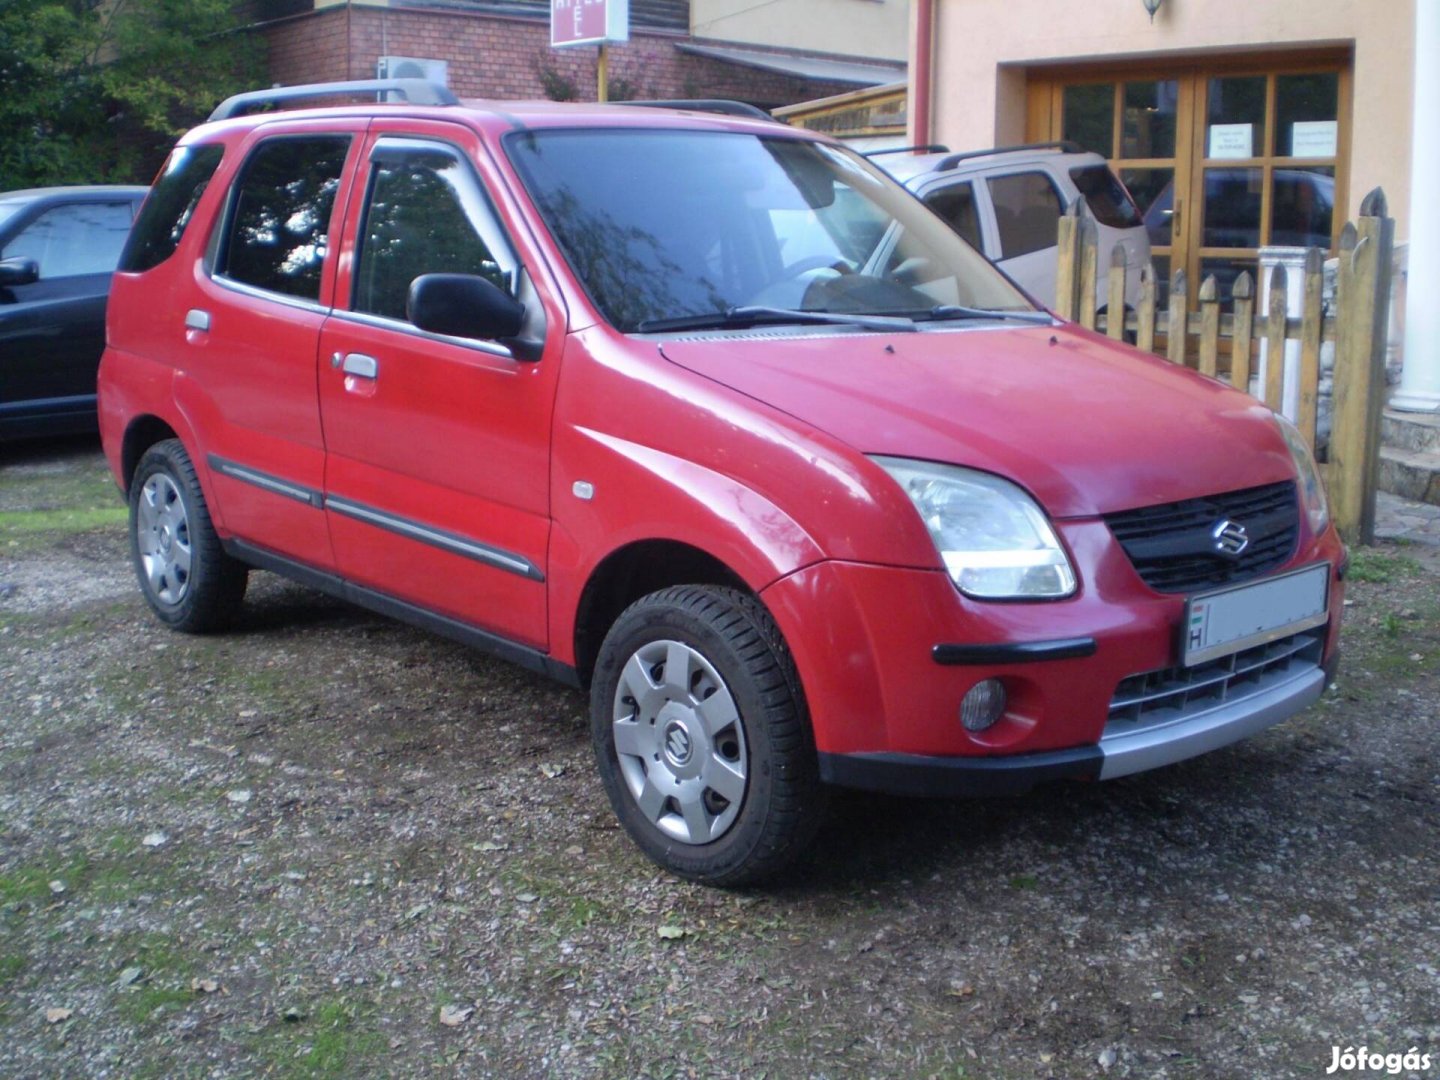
727	802
184	573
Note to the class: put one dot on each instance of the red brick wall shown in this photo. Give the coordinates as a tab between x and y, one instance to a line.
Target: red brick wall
507	58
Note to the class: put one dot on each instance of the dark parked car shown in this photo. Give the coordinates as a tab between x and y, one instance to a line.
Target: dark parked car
58	248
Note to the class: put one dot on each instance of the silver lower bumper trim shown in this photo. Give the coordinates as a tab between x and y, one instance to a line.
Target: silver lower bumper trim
1200	732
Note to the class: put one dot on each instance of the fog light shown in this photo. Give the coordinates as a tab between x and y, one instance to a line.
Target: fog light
983	705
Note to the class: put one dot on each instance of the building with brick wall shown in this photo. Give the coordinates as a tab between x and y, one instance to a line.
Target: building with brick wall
501	49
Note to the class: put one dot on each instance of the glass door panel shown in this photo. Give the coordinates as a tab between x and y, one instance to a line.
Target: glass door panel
1148	128
1235	117
1089	117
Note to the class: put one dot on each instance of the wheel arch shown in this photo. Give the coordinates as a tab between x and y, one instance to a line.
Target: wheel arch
631	572
141	433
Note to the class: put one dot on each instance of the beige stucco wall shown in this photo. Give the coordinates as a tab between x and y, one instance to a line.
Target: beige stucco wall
877	29
982	48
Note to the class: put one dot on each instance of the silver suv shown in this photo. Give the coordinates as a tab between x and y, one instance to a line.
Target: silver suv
1007	204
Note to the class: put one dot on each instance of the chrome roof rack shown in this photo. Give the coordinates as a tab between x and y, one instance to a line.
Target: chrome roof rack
413	91
927	148
1066	145
713	105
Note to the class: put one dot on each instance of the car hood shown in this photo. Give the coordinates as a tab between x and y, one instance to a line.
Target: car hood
1086	425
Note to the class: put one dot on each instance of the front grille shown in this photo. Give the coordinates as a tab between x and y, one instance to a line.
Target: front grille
1172	547
1161	697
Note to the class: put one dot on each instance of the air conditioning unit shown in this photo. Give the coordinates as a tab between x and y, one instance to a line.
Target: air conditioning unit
411	67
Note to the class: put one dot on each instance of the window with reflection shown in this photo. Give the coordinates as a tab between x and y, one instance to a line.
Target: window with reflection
425	213
280	222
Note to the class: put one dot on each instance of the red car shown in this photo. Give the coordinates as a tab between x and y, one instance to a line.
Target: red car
627	396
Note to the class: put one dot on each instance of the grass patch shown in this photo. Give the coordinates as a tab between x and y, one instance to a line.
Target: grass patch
335	1041
165	974
12	966
1379	568
19	522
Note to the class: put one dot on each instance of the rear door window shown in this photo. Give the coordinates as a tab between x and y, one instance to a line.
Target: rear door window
279	227
1105	196
1027	212
956	204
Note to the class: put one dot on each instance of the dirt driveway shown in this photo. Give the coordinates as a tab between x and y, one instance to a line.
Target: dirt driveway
328	845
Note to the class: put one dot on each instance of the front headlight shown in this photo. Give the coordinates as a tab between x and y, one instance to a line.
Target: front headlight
994	539
1312	491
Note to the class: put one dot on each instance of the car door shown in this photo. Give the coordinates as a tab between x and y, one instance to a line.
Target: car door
251	331
52	330
1027	208
437	475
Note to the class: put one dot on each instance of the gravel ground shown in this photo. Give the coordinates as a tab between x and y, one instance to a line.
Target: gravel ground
326	845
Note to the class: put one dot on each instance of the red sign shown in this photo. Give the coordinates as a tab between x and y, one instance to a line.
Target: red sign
588	22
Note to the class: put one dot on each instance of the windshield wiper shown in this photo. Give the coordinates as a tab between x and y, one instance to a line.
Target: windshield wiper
755	315
960	311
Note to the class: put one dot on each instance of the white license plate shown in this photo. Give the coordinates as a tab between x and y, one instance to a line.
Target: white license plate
1227	620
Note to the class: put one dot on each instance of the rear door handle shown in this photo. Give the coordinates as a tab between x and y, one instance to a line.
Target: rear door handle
197	319
360	365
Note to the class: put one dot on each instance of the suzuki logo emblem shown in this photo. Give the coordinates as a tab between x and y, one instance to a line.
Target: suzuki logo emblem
677	744
1230	537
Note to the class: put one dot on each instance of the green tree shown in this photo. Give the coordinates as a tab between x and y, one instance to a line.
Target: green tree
94	91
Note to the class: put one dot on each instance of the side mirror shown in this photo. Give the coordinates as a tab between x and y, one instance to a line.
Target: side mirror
19	271
465	306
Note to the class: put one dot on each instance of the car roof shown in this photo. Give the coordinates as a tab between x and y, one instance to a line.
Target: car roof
528	115
914	166
74	192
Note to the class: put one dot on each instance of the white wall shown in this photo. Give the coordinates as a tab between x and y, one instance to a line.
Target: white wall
877	29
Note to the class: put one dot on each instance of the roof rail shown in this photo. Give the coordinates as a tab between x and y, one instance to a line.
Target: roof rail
927	148
714	105
414	91
1067	145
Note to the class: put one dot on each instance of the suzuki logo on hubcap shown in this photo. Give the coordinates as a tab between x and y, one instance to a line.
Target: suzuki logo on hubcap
1230	537
678	746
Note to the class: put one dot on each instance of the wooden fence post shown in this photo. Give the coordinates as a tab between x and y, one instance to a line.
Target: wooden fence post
1089	266
1067	269
1176	322
1244	294
1362	288
1312	315
1209	326
1145	316
1115	295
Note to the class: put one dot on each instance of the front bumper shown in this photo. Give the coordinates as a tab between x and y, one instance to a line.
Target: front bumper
1095	685
1118	753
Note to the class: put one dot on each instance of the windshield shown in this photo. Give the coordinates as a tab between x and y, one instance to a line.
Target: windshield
661	226
10	207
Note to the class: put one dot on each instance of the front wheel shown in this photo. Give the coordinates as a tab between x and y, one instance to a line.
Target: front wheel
702	737
187	578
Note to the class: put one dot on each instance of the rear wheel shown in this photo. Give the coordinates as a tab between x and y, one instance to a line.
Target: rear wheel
702	738
189	581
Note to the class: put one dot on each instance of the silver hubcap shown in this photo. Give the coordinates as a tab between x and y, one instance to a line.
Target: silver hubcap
162	533
680	742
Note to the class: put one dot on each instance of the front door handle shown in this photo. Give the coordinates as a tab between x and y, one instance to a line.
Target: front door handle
360	365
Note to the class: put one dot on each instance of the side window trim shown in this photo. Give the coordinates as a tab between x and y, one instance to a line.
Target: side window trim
217	247
396	146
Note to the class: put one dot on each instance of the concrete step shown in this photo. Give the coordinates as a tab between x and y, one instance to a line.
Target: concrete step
1410	431
1411	474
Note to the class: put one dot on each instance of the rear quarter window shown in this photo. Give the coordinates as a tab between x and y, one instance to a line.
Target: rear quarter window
1106	196
170	206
